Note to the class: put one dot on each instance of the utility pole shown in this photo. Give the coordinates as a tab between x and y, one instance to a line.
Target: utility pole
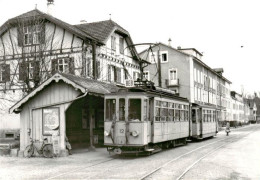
159	70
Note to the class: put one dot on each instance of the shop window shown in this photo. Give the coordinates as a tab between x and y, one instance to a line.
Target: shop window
110	109
134	109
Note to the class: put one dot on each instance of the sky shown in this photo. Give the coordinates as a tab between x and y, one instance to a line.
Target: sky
226	31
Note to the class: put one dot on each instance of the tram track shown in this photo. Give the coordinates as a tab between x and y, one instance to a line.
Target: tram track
149	174
80	169
230	141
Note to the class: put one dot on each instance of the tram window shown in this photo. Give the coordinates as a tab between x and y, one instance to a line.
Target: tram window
204	116
193	114
171	114
209	115
157	114
158	103
172	105
121	109
182	115
164	114
186	115
110	109
145	110
165	104
134	109
177	115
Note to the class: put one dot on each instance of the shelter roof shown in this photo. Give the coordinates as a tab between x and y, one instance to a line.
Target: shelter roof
89	86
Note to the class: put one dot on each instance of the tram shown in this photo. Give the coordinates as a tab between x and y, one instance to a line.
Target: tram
204	122
145	120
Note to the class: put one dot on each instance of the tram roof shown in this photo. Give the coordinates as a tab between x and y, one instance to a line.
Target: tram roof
154	92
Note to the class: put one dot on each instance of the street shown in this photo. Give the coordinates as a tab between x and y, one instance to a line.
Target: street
222	157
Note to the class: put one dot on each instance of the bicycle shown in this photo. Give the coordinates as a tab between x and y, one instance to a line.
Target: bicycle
46	149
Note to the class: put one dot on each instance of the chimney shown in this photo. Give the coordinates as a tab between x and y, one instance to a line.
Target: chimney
50	7
170	42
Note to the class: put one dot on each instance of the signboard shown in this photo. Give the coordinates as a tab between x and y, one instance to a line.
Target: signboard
50	120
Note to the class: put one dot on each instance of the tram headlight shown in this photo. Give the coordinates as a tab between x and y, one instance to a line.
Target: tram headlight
135	133
106	133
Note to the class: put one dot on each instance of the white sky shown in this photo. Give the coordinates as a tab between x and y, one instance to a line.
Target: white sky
218	28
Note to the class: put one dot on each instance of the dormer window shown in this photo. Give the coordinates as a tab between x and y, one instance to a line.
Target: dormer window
121	45
32	34
113	43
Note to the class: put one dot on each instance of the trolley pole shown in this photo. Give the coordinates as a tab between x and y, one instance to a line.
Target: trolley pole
159	70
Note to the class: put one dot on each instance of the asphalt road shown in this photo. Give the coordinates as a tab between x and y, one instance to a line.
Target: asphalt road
222	157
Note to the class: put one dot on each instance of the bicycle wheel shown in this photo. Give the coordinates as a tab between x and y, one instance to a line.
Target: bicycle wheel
28	152
47	151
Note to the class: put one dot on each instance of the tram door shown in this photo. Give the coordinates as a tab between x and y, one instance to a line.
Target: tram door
195	122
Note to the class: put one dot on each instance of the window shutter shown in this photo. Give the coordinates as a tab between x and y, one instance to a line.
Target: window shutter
6	75
118	70
22	71
20	35
71	66
54	66
98	69
109	72
115	73
42	34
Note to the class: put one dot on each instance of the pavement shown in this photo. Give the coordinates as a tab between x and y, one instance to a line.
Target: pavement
237	160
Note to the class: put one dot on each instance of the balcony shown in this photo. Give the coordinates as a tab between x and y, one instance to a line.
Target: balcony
172	83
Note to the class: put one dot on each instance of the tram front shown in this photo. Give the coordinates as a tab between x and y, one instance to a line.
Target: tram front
127	124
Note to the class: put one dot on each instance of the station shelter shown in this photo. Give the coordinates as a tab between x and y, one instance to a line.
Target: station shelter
64	106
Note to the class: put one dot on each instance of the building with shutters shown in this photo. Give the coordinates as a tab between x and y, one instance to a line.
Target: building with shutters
36	45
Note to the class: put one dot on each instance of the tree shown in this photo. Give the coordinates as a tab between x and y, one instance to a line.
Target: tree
31	55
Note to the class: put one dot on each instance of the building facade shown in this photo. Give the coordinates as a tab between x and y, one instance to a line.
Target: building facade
35	45
183	71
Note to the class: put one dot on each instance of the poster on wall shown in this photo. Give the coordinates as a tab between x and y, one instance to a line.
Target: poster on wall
51	120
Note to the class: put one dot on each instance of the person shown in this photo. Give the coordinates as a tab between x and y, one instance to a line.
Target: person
227	128
68	146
